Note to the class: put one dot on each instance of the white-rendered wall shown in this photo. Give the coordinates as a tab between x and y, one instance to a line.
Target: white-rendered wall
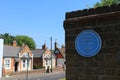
1	55
60	62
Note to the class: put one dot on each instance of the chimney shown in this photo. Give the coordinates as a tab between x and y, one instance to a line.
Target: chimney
14	43
44	46
63	46
56	45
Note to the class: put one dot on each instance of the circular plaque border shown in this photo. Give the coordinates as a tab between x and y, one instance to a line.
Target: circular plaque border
94	52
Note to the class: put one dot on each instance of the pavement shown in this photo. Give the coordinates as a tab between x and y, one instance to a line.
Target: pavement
31	75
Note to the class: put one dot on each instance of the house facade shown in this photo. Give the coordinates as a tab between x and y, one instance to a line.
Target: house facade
43	56
48	58
60	55
37	58
1	54
16	58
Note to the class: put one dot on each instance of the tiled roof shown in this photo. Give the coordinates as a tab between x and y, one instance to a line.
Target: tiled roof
37	52
62	50
10	51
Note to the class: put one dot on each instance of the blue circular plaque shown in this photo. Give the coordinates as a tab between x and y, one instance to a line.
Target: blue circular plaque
88	43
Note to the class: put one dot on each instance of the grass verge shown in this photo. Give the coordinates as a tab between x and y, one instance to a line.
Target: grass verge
62	79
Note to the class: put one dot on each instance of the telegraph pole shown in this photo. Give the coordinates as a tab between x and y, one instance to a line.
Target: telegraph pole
51	52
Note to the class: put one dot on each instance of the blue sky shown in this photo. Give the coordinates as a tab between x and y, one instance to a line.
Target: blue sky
38	19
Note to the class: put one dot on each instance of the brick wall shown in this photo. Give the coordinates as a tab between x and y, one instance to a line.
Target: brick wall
106	64
25	49
8	71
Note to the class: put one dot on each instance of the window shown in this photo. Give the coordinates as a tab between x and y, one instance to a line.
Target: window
25	60
48	62
7	63
25	63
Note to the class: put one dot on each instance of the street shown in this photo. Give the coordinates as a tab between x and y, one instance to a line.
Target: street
51	77
43	76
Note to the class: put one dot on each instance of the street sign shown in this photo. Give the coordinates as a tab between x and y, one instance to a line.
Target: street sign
88	43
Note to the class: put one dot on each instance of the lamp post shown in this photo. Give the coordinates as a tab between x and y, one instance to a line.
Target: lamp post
51	52
27	65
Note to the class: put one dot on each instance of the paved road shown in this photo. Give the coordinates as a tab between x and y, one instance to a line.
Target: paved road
51	77
42	76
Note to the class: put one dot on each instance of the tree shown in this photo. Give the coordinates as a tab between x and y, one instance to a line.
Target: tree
25	40
7	38
106	3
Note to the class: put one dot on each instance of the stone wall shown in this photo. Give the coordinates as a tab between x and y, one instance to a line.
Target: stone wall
106	64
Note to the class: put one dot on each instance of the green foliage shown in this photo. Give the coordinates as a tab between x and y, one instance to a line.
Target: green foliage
25	40
8	39
37	66
63	79
106	3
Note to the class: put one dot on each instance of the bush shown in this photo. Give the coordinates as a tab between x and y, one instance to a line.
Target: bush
37	66
9	73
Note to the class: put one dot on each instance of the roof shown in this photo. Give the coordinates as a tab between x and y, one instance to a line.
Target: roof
48	51
10	51
62	50
37	52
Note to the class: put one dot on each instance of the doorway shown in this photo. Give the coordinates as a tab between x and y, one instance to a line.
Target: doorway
16	66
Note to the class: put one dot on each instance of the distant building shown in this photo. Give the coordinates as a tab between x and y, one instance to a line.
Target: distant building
43	56
37	58
16	58
48	58
60	55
